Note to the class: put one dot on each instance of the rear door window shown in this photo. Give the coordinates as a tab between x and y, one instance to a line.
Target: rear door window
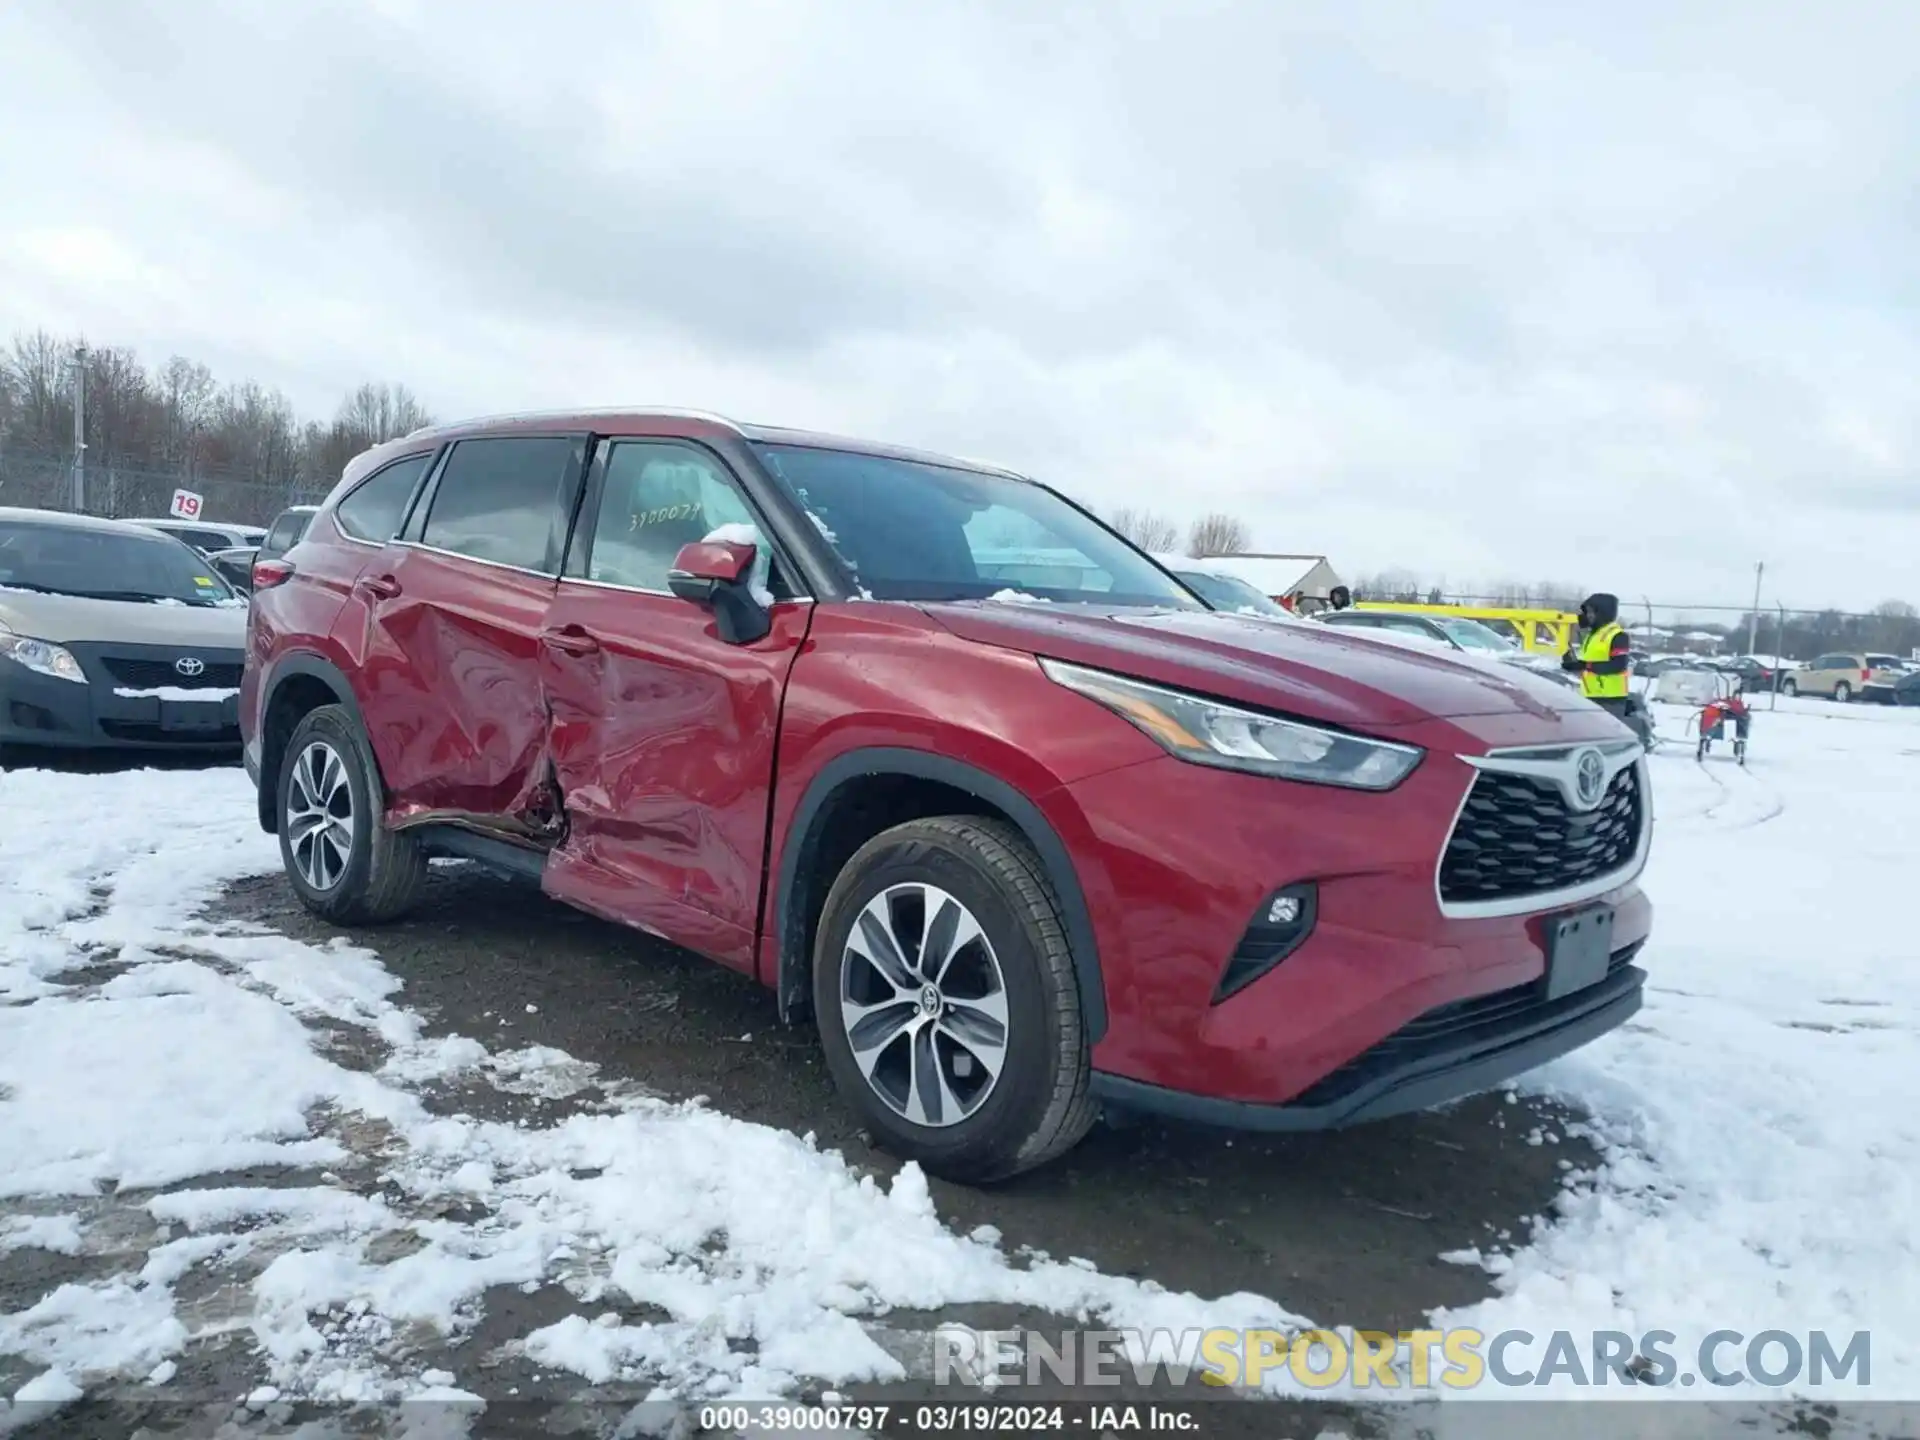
499	499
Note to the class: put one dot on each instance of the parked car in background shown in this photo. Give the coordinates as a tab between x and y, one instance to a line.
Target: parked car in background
1892	687
236	566
1754	674
1652	667
113	635
1019	853
1451	632
1896	664
1838	676
287	530
1223	591
206	536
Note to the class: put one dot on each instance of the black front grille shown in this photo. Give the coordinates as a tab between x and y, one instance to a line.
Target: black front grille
1464	1023
1517	837
146	674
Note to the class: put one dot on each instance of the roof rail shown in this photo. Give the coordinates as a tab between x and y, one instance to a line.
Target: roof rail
679	412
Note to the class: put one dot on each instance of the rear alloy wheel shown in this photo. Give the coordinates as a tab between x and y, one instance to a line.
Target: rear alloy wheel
947	1001
319	816
343	863
1843	692
1787	687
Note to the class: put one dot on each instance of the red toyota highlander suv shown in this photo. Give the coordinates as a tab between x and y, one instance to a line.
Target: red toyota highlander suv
1022	824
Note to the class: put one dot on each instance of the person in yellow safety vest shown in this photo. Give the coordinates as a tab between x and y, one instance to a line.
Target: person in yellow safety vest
1600	655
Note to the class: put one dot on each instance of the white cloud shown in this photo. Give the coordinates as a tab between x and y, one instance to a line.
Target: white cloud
1447	288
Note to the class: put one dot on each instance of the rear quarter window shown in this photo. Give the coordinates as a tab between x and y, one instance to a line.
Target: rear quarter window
373	511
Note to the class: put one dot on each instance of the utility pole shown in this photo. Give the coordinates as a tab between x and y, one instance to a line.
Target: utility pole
79	496
1753	620
1779	659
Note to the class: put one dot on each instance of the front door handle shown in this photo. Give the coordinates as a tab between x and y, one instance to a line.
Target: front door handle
571	640
381	587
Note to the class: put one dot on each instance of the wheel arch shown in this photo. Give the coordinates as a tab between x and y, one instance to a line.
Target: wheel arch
799	896
301	682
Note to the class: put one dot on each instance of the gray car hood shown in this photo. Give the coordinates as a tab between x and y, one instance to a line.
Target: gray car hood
66	619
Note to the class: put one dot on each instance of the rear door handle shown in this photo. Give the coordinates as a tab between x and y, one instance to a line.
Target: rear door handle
381	587
571	640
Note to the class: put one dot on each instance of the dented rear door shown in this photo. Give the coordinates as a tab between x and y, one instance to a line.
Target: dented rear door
445	626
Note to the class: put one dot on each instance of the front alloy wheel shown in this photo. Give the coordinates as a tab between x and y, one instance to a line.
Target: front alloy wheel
319	820
924	1005
948	1002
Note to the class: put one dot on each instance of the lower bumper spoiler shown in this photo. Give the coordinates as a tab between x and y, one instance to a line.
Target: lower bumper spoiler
1413	1070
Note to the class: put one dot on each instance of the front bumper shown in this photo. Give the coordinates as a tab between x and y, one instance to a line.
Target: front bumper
1451	1052
40	710
1176	860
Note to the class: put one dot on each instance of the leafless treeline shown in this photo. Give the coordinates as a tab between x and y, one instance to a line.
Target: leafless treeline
150	429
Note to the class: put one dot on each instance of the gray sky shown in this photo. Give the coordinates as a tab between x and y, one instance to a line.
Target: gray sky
1620	295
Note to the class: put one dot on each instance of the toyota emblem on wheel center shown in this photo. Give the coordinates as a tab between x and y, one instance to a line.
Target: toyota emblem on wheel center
187	665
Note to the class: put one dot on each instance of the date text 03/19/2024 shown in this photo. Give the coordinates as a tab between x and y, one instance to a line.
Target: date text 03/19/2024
977	1419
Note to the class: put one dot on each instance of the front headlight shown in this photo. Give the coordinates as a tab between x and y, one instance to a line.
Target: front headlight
1210	733
41	656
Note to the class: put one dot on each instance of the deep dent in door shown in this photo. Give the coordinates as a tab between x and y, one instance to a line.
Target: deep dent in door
483	760
666	758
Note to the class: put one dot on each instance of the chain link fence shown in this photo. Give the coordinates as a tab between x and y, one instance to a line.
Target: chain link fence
41	480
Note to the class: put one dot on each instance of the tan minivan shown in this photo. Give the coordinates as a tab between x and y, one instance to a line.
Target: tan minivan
1837	676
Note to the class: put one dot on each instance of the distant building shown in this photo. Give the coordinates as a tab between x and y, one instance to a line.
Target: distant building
1300	582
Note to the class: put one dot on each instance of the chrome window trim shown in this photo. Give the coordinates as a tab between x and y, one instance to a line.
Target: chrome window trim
1553	762
474	559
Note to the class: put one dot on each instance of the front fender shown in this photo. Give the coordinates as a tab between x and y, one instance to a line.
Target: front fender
789	913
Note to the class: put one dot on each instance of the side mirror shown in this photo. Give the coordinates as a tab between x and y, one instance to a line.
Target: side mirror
715	573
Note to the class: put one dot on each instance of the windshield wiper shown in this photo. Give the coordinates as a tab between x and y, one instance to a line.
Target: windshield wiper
146	596
29	585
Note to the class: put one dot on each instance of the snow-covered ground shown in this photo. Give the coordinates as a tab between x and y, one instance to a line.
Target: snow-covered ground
232	1124
1758	1120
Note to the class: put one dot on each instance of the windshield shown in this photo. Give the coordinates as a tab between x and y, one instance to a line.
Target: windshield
108	565
1229	592
1472	635
913	531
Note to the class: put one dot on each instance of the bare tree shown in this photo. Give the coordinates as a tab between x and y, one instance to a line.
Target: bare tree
119	407
1895	626
382	412
186	392
1151	532
40	376
1219	534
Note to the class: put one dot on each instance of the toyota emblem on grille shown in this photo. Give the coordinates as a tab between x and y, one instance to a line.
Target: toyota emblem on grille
1589	778
187	665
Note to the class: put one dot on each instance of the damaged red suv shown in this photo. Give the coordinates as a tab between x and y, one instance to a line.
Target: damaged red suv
1020	823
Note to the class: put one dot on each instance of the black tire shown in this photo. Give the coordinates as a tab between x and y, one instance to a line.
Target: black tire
1842	691
384	871
1042	1102
1789	687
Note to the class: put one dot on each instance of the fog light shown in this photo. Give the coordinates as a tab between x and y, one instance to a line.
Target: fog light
1283	921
